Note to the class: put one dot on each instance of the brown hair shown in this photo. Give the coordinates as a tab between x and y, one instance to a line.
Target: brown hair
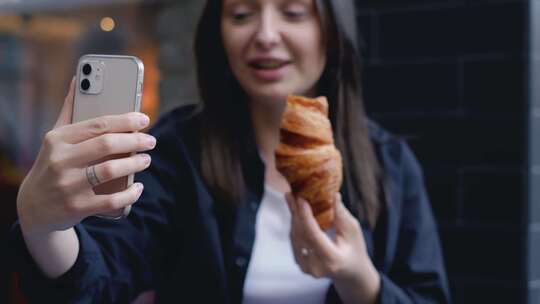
226	118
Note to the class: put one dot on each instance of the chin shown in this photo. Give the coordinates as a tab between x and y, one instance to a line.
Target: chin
276	92
271	94
271	100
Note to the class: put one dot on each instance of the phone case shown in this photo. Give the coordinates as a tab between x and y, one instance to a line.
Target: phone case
120	89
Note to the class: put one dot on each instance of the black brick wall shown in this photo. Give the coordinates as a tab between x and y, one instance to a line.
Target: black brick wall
450	76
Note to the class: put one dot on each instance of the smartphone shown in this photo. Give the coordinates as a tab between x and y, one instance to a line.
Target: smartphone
108	85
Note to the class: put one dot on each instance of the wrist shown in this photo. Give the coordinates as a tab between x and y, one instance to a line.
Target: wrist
22	207
23	217
361	285
27	222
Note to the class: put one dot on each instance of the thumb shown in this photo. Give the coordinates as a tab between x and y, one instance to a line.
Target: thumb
67	109
346	223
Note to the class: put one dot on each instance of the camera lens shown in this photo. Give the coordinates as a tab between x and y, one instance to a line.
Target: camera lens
85	84
87	69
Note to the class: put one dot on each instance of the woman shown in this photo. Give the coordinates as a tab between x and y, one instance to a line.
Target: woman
200	231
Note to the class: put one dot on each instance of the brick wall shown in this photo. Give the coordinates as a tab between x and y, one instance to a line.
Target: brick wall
451	77
175	27
534	156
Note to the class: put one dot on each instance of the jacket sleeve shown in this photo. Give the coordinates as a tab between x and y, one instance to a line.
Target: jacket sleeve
117	259
417	274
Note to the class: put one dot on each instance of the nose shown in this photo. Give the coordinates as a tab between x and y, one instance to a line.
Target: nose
267	35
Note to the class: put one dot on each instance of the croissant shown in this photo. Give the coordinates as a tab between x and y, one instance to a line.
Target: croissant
307	158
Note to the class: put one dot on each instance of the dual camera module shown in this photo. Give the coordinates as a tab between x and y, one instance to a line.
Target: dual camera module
86	70
91	77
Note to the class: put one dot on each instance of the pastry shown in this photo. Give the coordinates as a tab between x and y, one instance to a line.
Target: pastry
307	157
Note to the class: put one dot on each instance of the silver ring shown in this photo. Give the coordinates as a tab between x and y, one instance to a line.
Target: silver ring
91	176
305	252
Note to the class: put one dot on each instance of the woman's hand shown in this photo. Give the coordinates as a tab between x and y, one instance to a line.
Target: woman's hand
344	259
56	194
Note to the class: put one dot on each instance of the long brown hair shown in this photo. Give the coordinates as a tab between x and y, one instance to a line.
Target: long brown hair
226	118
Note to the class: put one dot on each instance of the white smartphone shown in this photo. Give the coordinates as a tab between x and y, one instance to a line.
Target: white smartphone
108	85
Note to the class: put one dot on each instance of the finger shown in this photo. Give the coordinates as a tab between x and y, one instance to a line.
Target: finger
296	248
109	203
107	145
299	257
290	202
116	168
296	226
315	238
302	264
346	223
67	108
88	129
296	243
309	263
314	267
294	233
306	259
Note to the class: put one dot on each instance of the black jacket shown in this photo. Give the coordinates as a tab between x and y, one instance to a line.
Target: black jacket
181	242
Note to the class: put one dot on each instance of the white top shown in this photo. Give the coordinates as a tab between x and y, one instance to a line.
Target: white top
273	275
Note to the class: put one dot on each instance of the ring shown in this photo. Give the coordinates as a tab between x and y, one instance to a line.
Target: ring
305	251
91	176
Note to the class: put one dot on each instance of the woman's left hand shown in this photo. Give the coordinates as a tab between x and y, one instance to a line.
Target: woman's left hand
344	259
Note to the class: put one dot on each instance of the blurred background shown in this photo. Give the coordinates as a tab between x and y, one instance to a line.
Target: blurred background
459	79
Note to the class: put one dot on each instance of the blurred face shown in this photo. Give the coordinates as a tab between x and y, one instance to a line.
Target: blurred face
274	47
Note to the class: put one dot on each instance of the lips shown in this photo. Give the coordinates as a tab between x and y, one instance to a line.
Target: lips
269	69
268	64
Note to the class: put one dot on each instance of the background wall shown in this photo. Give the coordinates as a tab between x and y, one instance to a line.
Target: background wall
451	77
534	156
176	60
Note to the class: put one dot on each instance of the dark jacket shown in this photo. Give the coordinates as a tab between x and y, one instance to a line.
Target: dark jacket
189	247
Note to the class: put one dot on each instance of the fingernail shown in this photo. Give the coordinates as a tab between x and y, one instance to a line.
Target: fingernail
139	187
144	120
150	141
146	158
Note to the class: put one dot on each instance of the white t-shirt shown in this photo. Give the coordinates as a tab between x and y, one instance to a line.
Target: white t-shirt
273	275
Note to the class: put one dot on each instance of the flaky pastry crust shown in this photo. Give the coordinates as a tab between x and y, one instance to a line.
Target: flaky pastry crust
307	156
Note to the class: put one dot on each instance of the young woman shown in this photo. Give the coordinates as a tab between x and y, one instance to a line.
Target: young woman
215	222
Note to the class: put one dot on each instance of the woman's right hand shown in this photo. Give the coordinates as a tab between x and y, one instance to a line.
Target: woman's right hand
56	194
